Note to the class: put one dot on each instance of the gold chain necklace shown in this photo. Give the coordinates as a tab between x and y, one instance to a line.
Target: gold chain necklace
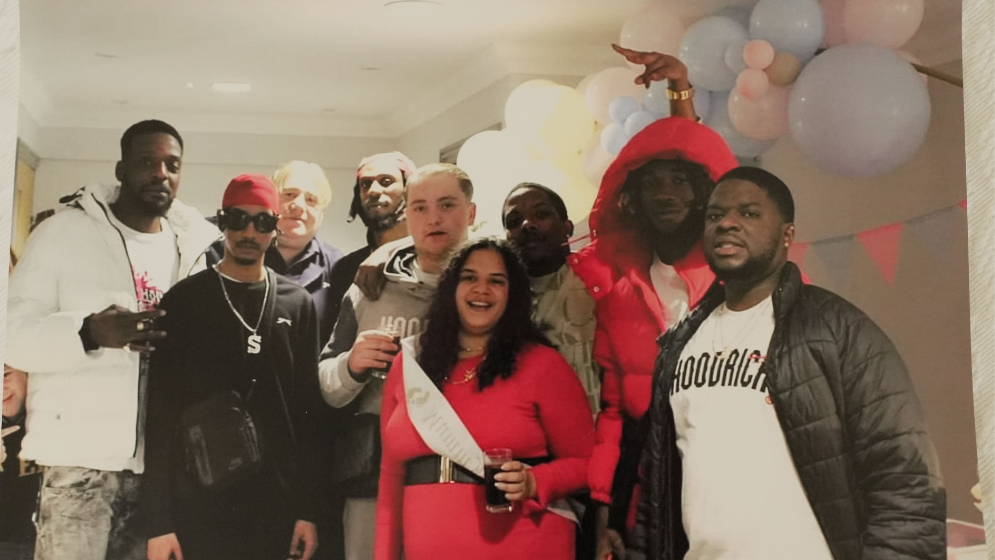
467	377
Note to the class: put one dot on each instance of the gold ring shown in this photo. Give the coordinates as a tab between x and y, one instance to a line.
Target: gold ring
140	326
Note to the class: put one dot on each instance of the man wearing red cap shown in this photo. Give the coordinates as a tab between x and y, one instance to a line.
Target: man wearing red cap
240	338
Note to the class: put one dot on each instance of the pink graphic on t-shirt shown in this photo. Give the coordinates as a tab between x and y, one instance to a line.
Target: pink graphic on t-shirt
149	295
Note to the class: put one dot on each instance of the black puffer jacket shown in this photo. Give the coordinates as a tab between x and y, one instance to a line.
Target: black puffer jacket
853	424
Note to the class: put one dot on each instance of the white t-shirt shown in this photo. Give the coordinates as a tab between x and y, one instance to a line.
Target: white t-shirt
671	290
154	261
742	498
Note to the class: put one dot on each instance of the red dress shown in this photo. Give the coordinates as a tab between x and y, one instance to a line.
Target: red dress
541	410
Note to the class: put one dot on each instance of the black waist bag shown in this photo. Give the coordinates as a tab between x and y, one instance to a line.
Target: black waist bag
220	441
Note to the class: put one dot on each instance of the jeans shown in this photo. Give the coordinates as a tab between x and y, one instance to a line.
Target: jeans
88	514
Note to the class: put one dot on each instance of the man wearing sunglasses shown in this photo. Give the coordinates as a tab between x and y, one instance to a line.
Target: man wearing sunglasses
81	307
236	328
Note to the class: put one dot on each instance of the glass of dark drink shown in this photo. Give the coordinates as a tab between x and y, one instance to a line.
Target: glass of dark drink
495	499
381	373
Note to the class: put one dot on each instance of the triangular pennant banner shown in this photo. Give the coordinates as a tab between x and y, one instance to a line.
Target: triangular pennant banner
963	205
882	245
835	254
796	253
936	231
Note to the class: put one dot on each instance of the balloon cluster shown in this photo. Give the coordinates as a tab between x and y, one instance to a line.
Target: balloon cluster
827	73
547	128
855	108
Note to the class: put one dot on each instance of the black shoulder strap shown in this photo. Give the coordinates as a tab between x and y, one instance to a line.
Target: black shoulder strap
266	330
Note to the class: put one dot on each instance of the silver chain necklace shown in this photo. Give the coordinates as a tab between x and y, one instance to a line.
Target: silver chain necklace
254	342
755	314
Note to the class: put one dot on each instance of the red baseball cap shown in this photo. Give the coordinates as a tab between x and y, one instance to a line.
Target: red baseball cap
252	190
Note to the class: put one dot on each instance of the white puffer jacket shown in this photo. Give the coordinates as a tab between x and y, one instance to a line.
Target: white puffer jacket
83	408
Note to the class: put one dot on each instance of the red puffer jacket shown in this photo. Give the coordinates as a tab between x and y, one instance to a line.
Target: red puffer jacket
615	268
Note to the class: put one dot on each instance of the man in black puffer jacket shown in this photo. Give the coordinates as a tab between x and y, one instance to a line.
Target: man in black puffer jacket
783	422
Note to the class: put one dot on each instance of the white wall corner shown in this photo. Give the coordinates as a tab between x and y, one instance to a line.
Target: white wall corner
480	72
34	97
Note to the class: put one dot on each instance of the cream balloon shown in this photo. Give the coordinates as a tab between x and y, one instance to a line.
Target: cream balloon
764	118
656	28
573	186
496	162
555	115
608	84
784	70
595	160
885	23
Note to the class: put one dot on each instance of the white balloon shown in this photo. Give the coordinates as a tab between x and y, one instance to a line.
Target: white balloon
859	110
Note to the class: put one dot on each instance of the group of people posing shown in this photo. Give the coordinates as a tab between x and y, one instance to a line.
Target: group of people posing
236	388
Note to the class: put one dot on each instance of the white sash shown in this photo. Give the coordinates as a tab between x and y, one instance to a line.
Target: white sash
441	428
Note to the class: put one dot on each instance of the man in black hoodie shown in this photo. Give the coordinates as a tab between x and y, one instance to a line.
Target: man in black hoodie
236	328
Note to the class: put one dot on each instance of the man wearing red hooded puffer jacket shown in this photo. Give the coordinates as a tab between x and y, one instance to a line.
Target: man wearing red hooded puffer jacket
645	269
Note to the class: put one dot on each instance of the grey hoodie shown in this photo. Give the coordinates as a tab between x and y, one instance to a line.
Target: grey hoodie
402	305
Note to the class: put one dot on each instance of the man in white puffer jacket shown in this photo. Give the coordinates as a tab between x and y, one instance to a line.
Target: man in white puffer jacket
81	321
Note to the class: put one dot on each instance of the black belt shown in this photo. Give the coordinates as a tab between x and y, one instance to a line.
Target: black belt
433	469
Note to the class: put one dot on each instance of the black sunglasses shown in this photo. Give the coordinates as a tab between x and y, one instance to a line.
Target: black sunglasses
237	220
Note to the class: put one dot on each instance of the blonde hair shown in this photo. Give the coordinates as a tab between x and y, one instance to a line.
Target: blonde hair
312	171
446	169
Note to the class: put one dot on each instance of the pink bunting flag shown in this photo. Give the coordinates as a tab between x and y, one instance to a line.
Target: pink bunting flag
963	205
882	245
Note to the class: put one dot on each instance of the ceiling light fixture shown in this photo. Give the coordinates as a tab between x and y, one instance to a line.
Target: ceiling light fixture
231	87
413	7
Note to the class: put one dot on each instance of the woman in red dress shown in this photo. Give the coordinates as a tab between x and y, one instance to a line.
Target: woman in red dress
511	390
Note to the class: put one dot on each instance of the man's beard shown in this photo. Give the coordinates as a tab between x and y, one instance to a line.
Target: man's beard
385	223
754	269
154	209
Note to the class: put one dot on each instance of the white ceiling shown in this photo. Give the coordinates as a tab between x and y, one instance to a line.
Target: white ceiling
106	63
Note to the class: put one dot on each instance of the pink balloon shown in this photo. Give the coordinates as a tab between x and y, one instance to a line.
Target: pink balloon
606	86
758	54
752	83
885	23
764	118
832	11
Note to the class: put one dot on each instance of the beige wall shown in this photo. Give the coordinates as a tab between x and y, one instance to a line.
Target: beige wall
71	158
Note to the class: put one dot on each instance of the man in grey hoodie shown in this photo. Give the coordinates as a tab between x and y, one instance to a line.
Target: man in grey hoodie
439	211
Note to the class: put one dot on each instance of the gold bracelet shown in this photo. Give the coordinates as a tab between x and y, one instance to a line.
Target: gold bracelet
680	95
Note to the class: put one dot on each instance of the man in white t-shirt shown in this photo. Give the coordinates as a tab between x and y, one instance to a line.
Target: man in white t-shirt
783	424
80	321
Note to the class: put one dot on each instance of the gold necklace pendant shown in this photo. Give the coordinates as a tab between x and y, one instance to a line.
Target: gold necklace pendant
469	375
